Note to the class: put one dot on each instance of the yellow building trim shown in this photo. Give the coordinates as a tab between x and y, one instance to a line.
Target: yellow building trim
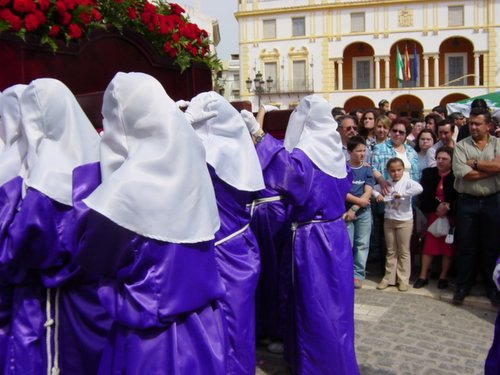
324	6
245	69
327	72
492	47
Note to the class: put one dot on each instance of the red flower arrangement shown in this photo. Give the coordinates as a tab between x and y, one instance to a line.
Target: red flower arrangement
163	24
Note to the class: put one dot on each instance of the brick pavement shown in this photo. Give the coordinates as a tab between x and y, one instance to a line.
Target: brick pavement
418	332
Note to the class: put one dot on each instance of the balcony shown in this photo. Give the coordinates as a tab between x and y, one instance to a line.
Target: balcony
299	86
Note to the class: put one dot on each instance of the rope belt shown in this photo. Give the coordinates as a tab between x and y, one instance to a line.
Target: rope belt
52	368
259	201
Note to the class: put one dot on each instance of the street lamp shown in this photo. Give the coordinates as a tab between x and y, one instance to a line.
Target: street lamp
258	85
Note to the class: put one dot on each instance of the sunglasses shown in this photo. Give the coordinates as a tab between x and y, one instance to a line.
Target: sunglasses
355	128
396	131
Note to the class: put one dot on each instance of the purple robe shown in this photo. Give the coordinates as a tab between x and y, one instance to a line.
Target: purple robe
238	264
40	240
492	364
271	227
320	333
161	296
10	196
21	310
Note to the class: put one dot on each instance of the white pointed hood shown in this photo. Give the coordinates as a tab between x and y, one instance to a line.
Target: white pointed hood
155	181
228	144
312	129
14	153
59	137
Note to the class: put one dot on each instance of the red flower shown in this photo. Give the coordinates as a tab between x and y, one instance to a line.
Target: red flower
132	13
85	18
31	22
13	20
61	7
74	31
24	6
176	8
95	13
4	2
54	30
44	4
65	18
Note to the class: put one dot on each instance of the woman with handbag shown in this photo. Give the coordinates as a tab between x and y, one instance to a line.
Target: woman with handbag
437	201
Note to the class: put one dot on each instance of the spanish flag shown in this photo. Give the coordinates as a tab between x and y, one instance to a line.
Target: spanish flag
406	65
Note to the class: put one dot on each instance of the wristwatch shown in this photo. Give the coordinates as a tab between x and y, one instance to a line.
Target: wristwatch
354	208
260	137
474	164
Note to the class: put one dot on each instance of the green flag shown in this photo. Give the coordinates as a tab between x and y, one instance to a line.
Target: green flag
399	65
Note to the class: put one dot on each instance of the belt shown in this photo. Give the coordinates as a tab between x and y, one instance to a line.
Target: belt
259	201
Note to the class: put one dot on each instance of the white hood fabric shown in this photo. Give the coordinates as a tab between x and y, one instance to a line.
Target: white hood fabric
14	152
228	144
312	129
59	137
155	180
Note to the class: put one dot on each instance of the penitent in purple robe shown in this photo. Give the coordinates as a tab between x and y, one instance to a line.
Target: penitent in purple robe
161	296
237	256
63	305
319	336
22	317
271	227
10	196
492	365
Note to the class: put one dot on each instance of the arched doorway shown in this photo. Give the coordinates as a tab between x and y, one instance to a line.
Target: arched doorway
452	98
408	106
358	102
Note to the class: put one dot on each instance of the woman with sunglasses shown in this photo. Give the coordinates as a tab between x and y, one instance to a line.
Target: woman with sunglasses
395	146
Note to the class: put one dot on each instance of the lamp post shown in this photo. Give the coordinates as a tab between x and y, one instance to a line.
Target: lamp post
259	85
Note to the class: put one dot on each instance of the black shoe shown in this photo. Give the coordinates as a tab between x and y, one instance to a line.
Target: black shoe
458	297
442	284
494	297
419	283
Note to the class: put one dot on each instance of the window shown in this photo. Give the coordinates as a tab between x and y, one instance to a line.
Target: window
357	22
298	26
270	70
269	29
363	72
456	15
414	81
299	75
456	69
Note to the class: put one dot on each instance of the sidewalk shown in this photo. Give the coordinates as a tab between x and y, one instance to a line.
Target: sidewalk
477	296
418	332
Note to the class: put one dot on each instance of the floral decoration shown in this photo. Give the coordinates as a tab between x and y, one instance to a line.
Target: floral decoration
163	24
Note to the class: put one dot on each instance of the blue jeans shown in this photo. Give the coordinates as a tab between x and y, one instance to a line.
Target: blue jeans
359	235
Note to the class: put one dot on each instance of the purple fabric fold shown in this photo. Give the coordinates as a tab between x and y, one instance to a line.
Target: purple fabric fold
271	227
10	198
320	299
161	297
238	263
39	239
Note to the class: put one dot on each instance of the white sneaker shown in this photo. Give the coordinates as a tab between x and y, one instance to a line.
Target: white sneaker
276	347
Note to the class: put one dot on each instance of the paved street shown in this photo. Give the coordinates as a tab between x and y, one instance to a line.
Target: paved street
418	332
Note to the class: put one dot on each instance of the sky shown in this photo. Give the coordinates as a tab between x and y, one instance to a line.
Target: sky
223	11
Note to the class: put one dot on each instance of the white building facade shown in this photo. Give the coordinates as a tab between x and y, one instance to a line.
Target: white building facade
345	50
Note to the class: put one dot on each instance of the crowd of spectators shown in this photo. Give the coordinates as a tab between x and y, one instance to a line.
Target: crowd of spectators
450	169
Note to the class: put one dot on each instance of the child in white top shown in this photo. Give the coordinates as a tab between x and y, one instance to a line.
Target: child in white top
398	224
